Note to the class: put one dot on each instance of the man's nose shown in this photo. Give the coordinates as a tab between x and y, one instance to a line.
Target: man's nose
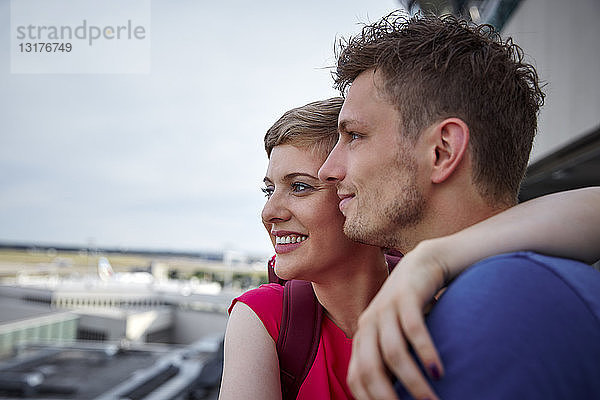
333	169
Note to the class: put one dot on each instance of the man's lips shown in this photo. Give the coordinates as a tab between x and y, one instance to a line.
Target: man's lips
344	199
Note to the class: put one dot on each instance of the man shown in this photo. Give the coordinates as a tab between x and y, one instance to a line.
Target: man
435	134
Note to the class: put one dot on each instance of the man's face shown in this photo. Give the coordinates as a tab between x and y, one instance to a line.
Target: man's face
374	168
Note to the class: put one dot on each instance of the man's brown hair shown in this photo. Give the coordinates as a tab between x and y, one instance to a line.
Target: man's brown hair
439	67
312	126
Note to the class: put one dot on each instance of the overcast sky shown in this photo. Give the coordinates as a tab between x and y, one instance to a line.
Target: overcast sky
172	159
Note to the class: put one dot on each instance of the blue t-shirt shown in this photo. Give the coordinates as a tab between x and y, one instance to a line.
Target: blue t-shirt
519	326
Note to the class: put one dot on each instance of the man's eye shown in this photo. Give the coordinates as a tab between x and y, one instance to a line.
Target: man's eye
299	187
353	136
268	191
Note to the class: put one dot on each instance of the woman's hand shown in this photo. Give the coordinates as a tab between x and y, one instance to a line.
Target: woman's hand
393	320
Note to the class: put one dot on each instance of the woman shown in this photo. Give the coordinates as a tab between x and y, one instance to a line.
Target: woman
302	211
305	224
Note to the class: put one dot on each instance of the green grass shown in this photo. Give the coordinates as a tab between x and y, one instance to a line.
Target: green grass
65	263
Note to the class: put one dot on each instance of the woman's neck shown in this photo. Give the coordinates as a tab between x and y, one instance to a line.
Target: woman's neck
346	294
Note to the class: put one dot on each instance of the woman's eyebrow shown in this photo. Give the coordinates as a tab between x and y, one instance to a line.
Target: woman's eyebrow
298	174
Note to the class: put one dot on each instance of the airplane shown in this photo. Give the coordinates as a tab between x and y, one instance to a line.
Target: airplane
106	274
184	287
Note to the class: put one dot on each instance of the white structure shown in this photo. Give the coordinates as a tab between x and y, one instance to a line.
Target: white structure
107	311
561	37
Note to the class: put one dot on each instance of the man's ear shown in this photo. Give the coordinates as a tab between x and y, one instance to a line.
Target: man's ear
451	140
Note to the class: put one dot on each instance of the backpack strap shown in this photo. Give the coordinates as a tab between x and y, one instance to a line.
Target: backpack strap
301	329
299	335
392	257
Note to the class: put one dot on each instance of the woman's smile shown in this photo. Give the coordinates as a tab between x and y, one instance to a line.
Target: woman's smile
287	241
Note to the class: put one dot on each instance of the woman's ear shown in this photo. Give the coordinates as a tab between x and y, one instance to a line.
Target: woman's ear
451	140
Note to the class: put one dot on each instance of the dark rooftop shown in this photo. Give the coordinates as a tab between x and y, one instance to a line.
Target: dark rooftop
100	370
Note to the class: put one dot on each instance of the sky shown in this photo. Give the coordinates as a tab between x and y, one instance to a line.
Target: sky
171	159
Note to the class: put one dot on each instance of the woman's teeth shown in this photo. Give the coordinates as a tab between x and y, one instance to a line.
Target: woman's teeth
290	239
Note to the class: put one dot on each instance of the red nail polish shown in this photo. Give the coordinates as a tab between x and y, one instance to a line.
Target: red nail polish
434	372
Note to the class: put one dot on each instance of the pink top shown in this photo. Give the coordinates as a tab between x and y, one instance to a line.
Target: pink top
327	377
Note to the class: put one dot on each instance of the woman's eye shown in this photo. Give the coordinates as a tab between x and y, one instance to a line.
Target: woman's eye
268	191
299	187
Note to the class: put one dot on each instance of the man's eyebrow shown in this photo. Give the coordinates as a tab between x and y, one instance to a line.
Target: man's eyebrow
266	180
348	125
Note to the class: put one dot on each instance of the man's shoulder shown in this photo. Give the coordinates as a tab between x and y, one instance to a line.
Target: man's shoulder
532	274
556	264
524	288
520	325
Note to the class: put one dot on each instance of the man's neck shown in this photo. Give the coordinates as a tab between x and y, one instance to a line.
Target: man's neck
445	218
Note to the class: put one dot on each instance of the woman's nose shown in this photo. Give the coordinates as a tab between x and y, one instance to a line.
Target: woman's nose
275	209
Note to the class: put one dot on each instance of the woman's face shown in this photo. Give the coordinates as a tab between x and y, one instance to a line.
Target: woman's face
302	215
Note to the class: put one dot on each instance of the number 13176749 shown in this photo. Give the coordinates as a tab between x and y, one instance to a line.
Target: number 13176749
48	47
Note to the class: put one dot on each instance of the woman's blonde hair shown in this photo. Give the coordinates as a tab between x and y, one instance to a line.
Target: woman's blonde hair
312	126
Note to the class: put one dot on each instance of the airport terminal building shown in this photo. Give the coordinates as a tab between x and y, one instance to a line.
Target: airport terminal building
96	339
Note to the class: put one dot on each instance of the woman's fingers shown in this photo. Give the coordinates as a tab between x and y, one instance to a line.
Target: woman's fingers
397	356
415	287
367	376
387	329
381	345
393	324
416	333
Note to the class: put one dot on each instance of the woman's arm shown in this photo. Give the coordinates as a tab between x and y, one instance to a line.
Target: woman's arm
251	366
565	224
